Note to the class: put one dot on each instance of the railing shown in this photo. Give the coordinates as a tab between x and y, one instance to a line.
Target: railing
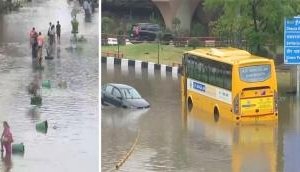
111	39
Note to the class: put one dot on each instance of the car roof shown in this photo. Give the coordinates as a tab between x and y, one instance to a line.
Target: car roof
119	85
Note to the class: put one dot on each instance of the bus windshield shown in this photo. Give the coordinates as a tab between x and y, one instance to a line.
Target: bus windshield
256	73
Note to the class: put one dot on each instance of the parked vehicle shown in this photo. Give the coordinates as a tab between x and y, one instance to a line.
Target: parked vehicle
148	32
122	95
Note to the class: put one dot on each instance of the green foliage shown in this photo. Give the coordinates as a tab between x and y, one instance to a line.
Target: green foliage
194	42
176	24
197	30
259	22
107	25
155	19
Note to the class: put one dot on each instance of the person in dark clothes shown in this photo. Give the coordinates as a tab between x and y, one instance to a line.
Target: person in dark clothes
35	45
58	31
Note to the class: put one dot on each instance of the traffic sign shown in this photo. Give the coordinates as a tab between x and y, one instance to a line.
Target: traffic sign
292	40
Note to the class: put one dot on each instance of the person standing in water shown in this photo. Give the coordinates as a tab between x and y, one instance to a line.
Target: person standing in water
33	42
58	27
6	139
40	41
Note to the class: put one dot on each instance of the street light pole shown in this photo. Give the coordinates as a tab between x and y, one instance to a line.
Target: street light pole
158	51
118	48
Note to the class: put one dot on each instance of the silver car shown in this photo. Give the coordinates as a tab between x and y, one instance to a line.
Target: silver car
122	95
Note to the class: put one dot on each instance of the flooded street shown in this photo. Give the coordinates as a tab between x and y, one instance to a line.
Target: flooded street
171	139
71	142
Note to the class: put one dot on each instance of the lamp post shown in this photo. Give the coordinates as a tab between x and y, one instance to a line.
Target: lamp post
118	47
158	52
158	44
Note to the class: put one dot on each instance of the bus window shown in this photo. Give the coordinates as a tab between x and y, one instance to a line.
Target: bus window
255	73
227	77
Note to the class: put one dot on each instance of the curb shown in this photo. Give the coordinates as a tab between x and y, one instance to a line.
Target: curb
174	70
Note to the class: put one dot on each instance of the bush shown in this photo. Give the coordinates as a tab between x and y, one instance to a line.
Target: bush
194	42
197	30
107	25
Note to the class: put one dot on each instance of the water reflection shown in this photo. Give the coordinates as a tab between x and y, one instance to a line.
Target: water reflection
58	51
122	118
34	113
289	132
7	162
252	146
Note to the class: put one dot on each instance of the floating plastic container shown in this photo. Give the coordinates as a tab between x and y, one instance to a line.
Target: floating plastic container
36	100
46	84
42	127
49	57
18	148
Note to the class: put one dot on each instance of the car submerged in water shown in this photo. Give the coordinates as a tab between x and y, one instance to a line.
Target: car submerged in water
122	95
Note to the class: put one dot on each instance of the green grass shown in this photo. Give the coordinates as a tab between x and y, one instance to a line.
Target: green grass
149	52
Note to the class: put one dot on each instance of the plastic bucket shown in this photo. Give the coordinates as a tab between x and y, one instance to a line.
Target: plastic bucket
42	127
48	57
46	84
18	148
36	100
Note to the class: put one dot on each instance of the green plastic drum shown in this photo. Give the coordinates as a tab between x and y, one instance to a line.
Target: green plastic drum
36	100
42	127
46	84
18	148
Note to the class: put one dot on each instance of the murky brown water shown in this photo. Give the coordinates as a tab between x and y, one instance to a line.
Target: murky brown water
71	143
171	140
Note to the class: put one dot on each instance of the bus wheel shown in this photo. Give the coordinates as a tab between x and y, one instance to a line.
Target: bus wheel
190	104
216	114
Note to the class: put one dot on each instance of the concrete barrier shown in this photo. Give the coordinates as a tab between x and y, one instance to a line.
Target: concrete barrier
139	65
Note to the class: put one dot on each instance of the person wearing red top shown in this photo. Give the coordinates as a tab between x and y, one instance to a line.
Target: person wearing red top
40	41
32	35
6	139
33	42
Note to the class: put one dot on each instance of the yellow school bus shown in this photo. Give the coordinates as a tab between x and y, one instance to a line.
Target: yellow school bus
230	83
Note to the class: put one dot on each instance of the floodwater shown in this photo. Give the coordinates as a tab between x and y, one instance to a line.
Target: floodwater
71	142
167	138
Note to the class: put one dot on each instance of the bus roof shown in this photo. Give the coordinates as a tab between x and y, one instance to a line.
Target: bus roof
228	55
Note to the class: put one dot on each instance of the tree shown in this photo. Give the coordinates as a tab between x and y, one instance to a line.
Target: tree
107	25
260	22
176	24
197	30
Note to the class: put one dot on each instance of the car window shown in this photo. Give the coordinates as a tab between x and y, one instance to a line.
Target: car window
130	93
108	89
116	93
148	26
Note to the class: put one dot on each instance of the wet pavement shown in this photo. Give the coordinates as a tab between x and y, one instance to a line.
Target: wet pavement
172	139
71	143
